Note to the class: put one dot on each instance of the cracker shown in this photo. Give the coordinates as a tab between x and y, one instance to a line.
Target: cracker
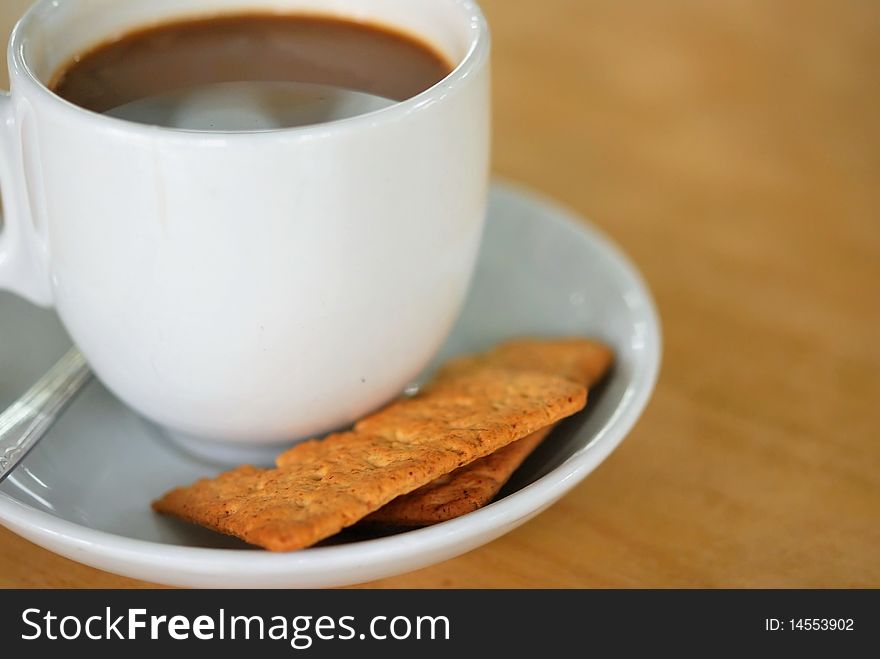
475	485
321	487
580	360
463	491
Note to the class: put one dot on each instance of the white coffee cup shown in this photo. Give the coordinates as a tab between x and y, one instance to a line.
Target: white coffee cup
247	287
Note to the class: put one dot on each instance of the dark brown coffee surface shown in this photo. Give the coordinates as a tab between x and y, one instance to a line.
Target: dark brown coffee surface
250	47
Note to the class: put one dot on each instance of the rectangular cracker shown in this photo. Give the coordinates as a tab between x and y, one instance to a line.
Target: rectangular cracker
463	491
578	359
475	485
321	487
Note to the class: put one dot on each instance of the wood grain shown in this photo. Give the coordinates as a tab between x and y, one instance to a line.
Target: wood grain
733	149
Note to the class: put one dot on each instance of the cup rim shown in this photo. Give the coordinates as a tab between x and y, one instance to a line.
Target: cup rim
477	54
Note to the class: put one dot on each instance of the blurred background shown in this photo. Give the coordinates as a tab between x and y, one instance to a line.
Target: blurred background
732	147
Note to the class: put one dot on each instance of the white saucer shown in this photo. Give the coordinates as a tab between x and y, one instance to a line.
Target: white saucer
85	491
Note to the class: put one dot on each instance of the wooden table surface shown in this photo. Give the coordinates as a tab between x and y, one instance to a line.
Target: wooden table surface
733	149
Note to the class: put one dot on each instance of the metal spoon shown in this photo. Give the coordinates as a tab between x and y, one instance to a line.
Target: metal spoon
28	419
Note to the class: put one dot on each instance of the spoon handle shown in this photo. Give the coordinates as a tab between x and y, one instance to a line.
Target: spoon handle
31	416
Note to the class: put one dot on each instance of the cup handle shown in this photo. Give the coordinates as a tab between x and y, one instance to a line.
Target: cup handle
22	269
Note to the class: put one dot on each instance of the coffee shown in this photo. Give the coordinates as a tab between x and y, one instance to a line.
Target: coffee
250	72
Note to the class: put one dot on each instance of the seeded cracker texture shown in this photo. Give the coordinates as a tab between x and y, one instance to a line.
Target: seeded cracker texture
578	359
321	487
475	485
463	491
